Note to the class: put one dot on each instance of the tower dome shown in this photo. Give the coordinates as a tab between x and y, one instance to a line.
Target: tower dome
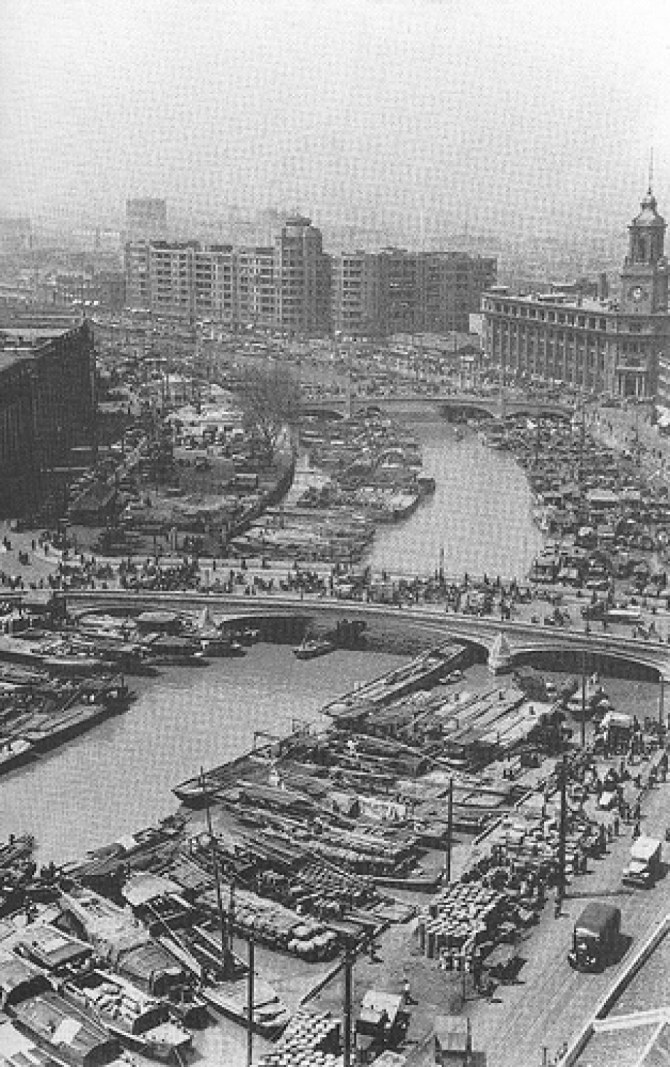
648	216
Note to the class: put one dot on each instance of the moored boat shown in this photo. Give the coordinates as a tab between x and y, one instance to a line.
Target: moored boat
204	949
311	648
138	1020
67	1034
178	651
15	751
220	645
122	942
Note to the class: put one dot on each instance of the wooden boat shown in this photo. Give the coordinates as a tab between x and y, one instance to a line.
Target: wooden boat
219	645
15	751
138	1020
121	941
177	651
66	1033
204	948
314	647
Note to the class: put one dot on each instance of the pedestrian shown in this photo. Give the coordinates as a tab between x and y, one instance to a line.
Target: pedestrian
616	825
602	839
406	991
636	830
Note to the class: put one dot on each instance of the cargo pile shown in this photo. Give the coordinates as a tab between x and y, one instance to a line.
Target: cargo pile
458	917
310	1040
279	927
529	840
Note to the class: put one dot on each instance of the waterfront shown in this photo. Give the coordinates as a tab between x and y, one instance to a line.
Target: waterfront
117	778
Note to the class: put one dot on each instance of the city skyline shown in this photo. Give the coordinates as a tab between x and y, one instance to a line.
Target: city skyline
416	117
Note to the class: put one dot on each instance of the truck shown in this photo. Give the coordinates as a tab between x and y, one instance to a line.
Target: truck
645	863
595	938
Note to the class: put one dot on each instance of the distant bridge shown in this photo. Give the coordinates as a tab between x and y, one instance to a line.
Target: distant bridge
442	403
524	640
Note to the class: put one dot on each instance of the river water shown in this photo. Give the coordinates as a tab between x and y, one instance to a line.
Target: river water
479	515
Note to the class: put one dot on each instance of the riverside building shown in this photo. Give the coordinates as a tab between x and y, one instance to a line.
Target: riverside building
46	406
618	347
292	285
396	291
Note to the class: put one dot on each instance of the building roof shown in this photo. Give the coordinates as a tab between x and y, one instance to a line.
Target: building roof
648	216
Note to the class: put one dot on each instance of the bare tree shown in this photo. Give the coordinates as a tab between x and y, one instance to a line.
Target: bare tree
269	396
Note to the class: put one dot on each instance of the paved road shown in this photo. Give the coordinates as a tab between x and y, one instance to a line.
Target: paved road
551	1002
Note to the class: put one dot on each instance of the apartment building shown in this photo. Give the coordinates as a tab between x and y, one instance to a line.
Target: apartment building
294	286
396	291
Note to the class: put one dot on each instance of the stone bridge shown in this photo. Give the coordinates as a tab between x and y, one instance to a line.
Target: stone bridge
444	403
523	640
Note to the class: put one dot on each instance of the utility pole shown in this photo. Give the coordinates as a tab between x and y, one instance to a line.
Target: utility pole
250	996
562	830
583	722
661	701
450	831
348	974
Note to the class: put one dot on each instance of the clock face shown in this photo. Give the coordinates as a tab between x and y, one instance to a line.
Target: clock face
637	293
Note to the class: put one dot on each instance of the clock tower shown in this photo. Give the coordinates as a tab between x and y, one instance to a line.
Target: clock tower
644	278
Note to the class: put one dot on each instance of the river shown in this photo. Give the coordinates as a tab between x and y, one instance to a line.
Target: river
118	777
479	515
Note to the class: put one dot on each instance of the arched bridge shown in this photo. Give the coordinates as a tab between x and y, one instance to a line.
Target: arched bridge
523	640
338	406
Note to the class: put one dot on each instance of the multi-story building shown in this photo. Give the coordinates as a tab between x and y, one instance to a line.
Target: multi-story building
294	286
255	302
302	278
172	279
355	293
604	346
396	291
146	219
283	286
46	406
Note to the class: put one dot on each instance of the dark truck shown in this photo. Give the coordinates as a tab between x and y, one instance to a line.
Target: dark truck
595	940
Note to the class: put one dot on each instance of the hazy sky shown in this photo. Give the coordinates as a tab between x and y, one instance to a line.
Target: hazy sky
494	113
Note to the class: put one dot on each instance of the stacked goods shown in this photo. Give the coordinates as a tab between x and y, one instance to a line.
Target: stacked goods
531	843
459	916
337	887
280	927
309	1040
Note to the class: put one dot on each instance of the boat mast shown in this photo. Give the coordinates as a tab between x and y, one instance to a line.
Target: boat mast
225	948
